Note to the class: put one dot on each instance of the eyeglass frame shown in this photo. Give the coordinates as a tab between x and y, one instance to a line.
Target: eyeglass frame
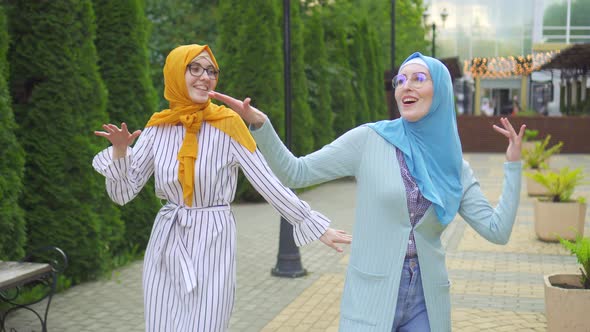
210	70
412	83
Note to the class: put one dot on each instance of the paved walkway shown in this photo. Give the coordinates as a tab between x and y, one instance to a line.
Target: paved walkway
495	288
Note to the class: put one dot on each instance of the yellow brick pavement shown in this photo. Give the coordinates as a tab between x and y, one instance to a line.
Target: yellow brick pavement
316	309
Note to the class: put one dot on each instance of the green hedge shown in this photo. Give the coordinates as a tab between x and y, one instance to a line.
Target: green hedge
121	42
317	72
59	100
12	160
338	26
251	62
301	118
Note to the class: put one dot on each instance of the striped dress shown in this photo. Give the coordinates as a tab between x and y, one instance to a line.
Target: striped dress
189	271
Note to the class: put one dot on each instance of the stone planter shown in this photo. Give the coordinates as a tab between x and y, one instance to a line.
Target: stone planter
565	219
566	307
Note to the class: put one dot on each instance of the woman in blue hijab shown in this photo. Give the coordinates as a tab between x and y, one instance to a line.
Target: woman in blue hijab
411	183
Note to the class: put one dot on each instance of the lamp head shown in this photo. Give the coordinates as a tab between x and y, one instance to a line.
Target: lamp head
443	15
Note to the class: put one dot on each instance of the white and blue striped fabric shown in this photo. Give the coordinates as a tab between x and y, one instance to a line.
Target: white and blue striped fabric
189	267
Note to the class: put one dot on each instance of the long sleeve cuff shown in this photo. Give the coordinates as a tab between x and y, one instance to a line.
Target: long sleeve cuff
265	133
111	169
310	229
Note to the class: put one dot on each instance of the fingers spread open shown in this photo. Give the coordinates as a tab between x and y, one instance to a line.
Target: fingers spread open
501	130
508	125
521	131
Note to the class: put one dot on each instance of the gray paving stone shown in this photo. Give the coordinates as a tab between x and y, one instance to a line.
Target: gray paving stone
507	303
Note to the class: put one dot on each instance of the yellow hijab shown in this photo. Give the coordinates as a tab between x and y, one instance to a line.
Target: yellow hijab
184	110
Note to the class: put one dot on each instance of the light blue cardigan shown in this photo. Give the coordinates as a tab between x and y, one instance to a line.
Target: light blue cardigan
382	225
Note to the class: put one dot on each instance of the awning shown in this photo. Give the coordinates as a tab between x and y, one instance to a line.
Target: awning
576	57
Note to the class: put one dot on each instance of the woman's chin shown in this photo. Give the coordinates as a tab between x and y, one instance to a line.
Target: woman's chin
412	114
200	98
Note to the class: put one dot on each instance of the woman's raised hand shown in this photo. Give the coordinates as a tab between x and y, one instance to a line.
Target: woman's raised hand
514	139
119	138
249	113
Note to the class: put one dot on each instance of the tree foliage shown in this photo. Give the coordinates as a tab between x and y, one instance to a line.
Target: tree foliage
302	120
318	82
374	84
59	100
121	44
251	61
339	31
409	37
12	223
409	30
360	70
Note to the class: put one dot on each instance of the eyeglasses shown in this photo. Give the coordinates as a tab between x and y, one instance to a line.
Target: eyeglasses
416	80
197	71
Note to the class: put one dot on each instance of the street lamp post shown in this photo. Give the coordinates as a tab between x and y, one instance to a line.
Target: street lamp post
443	15
288	259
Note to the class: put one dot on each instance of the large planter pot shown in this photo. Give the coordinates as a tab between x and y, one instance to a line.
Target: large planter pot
563	219
566	308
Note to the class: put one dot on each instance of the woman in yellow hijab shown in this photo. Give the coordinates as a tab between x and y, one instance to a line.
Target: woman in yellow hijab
194	150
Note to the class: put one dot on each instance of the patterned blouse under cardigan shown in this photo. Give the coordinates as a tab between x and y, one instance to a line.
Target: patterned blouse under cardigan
417	204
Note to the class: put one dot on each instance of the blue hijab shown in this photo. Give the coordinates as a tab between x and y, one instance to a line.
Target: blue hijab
431	145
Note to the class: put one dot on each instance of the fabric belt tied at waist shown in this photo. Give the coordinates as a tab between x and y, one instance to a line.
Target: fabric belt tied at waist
177	217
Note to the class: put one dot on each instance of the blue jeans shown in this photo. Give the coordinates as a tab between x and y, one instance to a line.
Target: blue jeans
410	312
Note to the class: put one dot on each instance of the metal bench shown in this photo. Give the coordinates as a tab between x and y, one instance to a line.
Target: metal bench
15	276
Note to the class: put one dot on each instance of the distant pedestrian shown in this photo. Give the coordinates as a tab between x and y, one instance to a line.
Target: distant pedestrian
411	182
194	150
486	107
515	106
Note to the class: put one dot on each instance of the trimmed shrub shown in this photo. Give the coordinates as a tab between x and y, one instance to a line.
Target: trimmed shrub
360	78
318	82
375	67
12	161
302	120
59	100
338	20
251	63
121	44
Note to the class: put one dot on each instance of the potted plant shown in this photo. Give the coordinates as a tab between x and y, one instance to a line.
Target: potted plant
567	296
558	215
536	160
529	138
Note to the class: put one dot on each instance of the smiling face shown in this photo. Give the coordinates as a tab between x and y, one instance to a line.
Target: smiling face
414	101
199	86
